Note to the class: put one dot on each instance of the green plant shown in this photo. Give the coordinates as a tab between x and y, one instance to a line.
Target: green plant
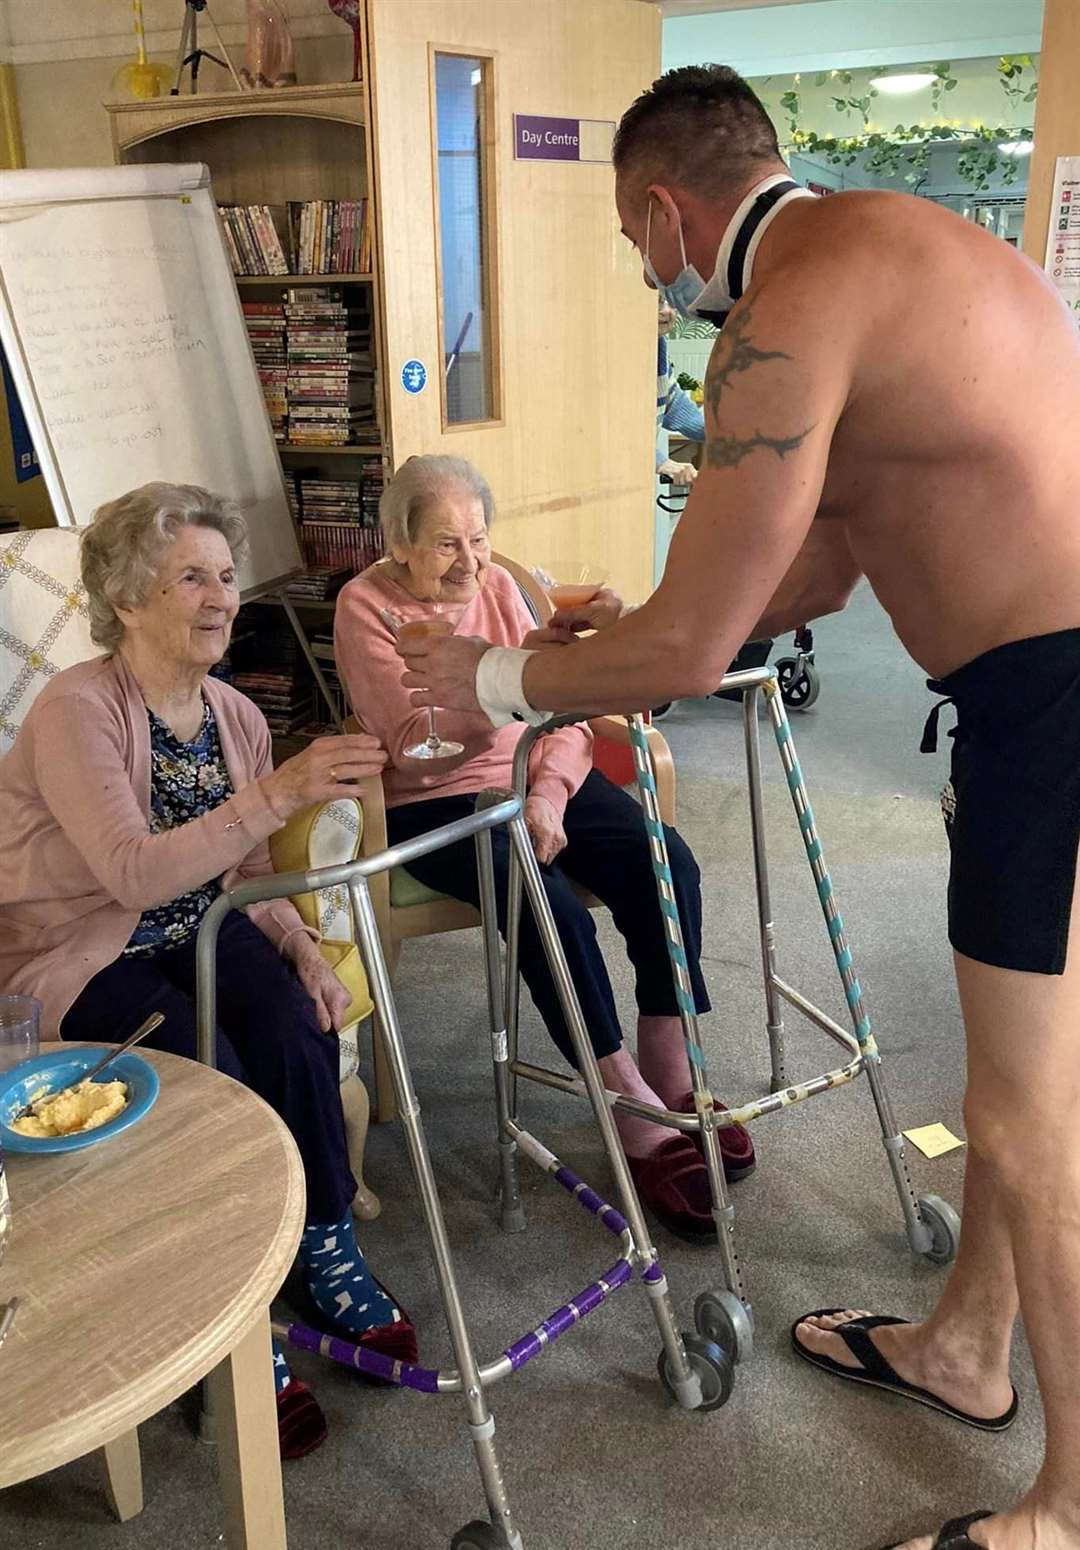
691	328
909	146
791	104
977	164
1011	69
861	105
944	81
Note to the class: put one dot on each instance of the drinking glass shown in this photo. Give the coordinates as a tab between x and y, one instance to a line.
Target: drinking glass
20	1022
571	583
433	746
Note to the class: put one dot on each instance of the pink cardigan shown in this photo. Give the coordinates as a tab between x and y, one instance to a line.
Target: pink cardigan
371	671
78	863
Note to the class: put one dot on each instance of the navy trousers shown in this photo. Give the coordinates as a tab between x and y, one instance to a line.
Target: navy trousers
607	851
267	1038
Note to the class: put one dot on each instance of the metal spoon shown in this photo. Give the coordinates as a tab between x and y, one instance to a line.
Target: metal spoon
155	1020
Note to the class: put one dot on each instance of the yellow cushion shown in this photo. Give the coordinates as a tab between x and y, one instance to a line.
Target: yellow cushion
344	959
327	834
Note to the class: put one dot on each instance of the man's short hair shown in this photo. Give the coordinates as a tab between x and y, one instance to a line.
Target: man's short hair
701	127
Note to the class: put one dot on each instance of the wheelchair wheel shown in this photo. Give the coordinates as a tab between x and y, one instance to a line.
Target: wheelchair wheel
799	685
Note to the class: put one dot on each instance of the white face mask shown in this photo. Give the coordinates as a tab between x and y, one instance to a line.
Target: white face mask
693	297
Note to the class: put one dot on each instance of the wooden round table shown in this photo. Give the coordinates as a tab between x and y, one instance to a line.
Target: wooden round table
141	1265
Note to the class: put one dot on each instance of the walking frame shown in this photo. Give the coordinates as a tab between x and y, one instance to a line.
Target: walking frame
696	1368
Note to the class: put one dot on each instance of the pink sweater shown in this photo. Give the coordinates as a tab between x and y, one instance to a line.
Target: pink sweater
371	670
78	863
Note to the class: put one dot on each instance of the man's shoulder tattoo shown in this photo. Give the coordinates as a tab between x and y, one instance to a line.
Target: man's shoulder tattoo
735	354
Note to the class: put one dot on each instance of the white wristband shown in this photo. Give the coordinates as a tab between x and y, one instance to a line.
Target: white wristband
499	688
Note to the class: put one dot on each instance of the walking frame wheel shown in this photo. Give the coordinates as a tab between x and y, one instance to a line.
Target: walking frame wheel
944	1224
478	1536
712	1365
800	682
724	1318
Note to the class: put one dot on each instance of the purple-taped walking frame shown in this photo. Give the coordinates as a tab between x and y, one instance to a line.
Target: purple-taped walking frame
693	1369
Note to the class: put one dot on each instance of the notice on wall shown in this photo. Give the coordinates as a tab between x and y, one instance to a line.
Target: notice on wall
1063	238
562	139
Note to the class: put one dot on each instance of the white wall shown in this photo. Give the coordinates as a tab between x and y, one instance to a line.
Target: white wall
779	39
66	52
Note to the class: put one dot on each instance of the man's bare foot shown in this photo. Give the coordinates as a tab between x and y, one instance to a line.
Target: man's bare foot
956	1374
1029	1527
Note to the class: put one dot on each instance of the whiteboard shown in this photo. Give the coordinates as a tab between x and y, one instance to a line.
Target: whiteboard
125	337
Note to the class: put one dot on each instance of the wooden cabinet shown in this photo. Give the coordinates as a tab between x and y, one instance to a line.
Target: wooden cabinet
569	454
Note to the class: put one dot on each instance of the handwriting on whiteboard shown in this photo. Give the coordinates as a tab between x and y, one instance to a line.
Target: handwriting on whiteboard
90	345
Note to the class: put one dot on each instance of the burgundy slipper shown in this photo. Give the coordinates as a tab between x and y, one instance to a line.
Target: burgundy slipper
301	1424
396	1340
736	1147
673	1183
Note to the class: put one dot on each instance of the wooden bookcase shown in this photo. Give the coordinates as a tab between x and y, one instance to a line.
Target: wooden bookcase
270	147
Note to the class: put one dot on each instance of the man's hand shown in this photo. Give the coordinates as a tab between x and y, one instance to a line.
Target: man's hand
331	998
604	609
545	829
682	474
441	670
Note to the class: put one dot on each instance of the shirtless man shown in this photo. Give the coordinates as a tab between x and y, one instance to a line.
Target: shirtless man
895	394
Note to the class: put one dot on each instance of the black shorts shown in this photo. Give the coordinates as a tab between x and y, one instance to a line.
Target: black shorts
1012	803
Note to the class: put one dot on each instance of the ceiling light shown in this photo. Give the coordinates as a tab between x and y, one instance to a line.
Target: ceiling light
1016	148
898	85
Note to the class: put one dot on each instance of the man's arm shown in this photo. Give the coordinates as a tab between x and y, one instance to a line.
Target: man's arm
777	384
820	581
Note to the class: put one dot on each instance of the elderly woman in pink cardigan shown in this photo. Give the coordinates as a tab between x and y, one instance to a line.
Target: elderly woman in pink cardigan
436	514
137	787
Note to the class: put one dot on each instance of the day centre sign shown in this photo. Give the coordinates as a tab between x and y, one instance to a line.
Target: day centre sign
562	139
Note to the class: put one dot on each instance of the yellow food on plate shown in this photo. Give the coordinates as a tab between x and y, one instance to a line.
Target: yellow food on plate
82	1107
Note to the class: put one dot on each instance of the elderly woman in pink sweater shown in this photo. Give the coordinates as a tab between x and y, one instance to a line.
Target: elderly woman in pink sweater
138	786
436	514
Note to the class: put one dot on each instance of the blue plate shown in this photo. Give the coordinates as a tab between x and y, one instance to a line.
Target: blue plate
62	1069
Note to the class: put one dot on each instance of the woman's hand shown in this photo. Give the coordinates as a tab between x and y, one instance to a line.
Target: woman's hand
539	640
545	829
328	768
331	999
604	609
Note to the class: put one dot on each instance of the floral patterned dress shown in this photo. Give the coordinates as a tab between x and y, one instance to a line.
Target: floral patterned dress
186	781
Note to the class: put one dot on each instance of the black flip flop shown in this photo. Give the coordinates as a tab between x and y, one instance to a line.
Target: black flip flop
878	1374
954	1536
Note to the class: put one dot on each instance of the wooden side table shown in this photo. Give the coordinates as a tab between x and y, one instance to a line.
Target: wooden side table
142	1265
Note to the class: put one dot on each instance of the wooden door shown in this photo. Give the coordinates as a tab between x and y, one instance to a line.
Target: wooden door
569	454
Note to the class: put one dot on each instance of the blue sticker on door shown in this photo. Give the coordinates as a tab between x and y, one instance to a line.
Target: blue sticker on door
414	376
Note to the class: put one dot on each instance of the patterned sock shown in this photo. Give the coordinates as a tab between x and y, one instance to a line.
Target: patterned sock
340	1283
281	1366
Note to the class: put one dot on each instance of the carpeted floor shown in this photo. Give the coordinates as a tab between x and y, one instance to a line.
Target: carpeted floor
594	1455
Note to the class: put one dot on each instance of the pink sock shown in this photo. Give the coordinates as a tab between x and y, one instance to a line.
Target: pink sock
662	1057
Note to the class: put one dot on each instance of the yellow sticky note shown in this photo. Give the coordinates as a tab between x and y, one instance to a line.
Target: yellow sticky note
933	1140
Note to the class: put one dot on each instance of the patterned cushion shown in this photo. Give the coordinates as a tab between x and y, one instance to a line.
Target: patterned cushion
44	620
326	835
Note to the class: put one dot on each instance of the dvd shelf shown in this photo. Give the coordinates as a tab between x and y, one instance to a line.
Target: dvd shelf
304	237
